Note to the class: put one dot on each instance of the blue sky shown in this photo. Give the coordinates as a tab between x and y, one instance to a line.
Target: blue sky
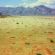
27	3
15	2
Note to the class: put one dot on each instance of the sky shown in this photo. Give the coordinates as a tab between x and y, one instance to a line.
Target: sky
27	3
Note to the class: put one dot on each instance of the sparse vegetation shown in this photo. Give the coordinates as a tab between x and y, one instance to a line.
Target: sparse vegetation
3	16
27	35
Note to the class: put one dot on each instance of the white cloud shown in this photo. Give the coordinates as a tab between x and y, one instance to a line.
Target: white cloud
46	1
28	3
9	6
49	3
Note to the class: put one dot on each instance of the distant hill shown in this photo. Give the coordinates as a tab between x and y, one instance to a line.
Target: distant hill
39	10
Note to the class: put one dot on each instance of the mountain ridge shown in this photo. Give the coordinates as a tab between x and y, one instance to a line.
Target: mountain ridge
22	11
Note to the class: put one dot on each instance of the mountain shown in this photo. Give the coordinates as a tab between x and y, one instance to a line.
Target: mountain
39	10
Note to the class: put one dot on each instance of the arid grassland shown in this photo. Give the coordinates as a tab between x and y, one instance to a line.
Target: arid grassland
27	35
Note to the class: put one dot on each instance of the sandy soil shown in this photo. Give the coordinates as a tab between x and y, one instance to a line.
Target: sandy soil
27	35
